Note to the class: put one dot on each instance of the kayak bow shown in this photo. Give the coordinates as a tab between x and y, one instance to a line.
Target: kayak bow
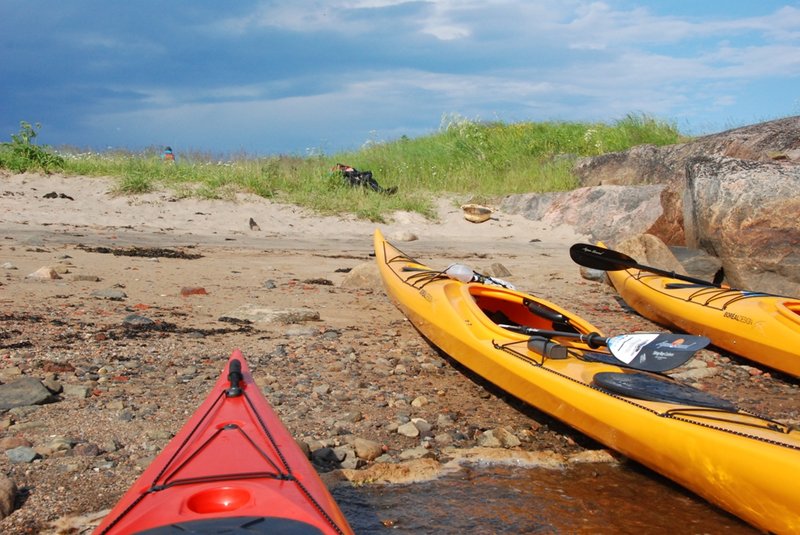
233	466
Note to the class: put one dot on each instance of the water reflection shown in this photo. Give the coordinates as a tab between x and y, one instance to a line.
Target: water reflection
583	498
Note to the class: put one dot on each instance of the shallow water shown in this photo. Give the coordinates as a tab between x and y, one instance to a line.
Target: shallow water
583	498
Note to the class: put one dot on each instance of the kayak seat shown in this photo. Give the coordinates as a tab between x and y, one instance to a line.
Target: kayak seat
237	525
653	388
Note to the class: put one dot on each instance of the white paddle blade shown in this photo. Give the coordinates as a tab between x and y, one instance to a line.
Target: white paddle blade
656	351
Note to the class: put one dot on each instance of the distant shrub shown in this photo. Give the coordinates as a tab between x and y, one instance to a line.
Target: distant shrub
22	154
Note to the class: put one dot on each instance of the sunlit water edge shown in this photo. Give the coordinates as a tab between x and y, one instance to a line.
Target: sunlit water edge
579	498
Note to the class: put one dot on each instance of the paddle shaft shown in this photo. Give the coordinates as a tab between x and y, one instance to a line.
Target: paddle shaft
593	340
595	257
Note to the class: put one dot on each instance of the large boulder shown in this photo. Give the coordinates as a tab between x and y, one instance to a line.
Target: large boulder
746	213
771	141
648	164
648	250
602	212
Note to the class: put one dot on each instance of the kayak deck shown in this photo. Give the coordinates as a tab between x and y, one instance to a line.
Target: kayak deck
233	464
761	327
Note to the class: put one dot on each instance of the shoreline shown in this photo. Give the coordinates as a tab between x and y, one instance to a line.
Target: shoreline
359	371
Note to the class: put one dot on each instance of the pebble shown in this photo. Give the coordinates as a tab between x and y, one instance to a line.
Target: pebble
23	391
8	495
111	294
418	452
44	273
409	430
7	443
76	391
367	450
21	454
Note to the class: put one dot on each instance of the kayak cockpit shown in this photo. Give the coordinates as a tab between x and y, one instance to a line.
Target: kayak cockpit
238	524
504	307
790	310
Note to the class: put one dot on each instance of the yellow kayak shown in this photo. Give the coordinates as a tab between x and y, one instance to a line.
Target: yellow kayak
744	463
761	327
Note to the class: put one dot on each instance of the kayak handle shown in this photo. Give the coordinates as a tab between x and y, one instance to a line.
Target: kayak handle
235	377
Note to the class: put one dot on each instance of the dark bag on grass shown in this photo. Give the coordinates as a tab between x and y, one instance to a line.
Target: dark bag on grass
363	179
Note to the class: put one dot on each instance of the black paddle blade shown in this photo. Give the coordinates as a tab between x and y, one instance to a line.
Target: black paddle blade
655	352
595	257
719	276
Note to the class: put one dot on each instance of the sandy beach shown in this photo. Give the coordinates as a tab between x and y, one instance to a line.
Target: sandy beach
354	369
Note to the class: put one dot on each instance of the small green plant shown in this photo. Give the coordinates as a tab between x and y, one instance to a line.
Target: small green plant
22	154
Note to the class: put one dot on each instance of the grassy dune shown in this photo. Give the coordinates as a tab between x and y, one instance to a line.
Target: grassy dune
471	160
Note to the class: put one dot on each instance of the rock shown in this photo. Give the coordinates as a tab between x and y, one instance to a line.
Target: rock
604	212
418	452
445	420
596	275
321	389
422	425
54	445
22	392
193	290
363	276
423	469
349	460
420	401
111	294
300	332
86	450
76	391
642	164
86	278
21	454
488	440
325	458
404	236
408	429
649	250
304	447
697	263
499	270
695	373
7	443
647	164
261	314
746	213
507	438
8	495
369	450
443	439
44	273
52	385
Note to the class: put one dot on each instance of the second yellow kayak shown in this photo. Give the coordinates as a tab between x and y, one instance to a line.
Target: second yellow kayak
744	463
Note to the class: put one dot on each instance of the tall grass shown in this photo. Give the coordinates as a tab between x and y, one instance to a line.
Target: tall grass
466	159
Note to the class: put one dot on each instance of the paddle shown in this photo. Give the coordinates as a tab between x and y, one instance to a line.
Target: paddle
655	352
595	257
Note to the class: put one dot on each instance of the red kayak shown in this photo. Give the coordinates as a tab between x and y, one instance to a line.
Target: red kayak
233	467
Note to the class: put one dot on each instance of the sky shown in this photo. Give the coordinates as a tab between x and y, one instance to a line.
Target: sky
303	77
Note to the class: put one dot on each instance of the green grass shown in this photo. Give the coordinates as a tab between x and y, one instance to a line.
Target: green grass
23	154
468	160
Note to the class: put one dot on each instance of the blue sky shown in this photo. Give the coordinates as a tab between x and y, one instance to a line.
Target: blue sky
304	76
